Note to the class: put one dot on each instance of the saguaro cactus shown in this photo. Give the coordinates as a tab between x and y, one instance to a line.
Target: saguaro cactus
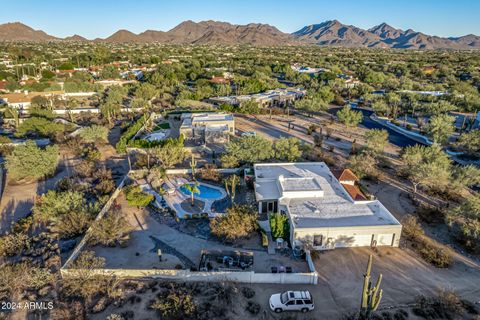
371	295
193	166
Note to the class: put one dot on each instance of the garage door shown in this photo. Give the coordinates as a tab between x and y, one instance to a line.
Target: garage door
359	240
385	239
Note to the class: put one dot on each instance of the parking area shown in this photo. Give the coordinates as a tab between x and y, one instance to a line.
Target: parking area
405	276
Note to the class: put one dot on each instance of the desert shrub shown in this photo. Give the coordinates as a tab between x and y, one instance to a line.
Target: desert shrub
19	277
431	251
248	292
446	305
464	220
54	204
434	253
238	222
175	303
30	162
209	172
115	316
411	228
253	307
91	153
229	161
94	134
430	214
40	126
87	282
136	197
111	230
400	315
5	147
14	243
72	224
280	226
23	225
311	129
72	310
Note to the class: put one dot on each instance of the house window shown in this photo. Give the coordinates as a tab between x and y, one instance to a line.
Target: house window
264	207
317	240
271	206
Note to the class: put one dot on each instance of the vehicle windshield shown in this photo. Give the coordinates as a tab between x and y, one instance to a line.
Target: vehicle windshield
284	297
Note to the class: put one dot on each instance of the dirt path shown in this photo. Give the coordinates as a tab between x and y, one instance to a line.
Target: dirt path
18	199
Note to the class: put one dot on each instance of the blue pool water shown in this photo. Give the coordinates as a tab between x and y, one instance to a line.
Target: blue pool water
206	192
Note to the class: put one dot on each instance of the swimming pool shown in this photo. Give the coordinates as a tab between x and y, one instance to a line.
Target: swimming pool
206	192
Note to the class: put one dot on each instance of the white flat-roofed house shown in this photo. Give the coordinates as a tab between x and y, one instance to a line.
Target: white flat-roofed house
275	97
323	211
207	127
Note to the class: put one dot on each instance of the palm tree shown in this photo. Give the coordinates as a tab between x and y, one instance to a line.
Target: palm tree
231	184
192	188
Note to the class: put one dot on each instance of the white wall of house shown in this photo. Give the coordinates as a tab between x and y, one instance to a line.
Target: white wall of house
361	236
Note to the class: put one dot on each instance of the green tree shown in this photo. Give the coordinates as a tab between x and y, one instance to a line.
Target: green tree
170	154
469	142
42	126
312	104
192	188
54	204
427	166
136	197
30	162
287	149
380	107
249	107
465	219
441	127
238	222
377	140
465	176
280	226
250	149
349	117
146	91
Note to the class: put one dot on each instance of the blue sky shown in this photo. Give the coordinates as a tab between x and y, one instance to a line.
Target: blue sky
101	18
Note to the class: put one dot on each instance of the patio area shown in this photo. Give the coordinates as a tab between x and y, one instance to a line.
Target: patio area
178	197
179	249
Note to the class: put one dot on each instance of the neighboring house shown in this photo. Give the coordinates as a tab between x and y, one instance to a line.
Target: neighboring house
214	127
275	97
22	100
308	70
323	211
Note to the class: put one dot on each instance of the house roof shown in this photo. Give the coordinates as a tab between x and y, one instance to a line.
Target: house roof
26	97
345	175
354	192
332	204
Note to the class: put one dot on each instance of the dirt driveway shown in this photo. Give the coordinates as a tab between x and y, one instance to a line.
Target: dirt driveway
404	276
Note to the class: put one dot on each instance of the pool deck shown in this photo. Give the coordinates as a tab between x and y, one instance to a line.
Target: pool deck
175	198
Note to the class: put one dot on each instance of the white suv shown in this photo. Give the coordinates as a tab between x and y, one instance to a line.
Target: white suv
292	301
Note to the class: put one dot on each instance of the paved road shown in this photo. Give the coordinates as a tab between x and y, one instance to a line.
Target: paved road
393	136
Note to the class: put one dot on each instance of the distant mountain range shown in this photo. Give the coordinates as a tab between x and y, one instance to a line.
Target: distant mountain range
329	33
381	36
